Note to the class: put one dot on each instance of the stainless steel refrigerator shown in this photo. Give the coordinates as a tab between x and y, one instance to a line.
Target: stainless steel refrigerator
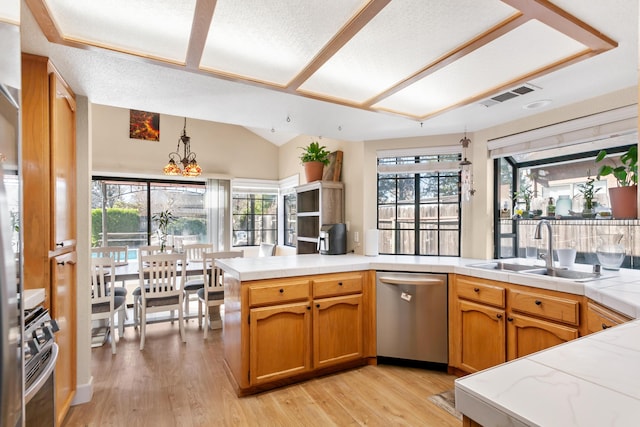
11	370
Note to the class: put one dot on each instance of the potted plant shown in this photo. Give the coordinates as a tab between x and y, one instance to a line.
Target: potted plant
624	196
163	219
524	196
588	192
314	158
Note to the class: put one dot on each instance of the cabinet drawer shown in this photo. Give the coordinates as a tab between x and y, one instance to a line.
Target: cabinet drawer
278	293
545	306
481	292
599	318
343	284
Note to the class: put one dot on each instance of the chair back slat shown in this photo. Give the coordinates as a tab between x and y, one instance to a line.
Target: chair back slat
102	276
195	251
214	275
162	275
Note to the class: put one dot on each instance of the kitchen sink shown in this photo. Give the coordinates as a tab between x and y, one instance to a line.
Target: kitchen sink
502	266
578	276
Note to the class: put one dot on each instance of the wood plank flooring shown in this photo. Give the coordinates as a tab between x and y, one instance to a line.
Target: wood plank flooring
170	383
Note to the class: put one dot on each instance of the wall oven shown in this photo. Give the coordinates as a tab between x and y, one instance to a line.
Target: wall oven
40	355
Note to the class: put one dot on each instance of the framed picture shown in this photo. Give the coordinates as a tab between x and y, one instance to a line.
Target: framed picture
144	125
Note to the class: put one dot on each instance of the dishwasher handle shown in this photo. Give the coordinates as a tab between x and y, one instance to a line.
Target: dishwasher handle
420	281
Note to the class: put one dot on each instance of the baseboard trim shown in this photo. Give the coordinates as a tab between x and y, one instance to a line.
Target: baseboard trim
84	393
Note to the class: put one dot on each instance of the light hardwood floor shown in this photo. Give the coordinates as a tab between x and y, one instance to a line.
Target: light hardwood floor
170	383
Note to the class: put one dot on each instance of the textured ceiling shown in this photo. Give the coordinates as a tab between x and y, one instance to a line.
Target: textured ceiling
345	69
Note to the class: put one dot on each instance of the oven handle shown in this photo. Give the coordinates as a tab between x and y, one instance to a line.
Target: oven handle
410	280
44	375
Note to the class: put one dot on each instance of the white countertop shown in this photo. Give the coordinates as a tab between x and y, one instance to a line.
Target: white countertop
591	381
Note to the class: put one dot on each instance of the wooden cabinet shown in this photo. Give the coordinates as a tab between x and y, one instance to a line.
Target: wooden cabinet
600	318
297	327
49	207
491	322
318	203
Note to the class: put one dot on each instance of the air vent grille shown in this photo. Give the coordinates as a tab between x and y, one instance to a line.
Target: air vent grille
510	94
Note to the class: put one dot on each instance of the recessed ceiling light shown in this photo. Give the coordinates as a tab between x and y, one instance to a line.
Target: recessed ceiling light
537	104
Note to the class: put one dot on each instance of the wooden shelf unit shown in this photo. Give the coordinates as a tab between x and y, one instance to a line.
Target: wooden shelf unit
318	203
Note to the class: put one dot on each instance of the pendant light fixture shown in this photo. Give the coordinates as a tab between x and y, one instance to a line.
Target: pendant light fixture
188	158
466	178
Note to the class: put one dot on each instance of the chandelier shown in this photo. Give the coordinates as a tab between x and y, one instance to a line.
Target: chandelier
188	159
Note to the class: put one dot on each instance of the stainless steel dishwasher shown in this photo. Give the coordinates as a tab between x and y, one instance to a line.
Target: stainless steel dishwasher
412	319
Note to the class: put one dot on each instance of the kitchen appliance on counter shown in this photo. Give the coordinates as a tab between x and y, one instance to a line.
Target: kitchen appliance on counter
411	316
333	239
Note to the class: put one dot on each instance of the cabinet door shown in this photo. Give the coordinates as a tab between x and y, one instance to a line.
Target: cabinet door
527	335
63	310
478	334
337	330
63	163
279	342
600	318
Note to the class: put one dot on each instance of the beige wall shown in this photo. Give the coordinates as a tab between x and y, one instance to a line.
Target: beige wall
352	177
223	150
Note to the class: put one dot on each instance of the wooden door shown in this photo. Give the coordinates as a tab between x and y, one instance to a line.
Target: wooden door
63	164
63	310
479	331
527	335
337	330
279	342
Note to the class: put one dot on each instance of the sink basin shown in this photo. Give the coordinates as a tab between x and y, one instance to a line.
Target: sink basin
502	266
578	276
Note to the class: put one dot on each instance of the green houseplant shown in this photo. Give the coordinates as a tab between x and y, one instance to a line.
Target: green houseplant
314	158
588	191
162	220
524	195
624	196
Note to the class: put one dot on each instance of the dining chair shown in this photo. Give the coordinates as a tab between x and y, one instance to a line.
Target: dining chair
213	294
119	256
160	281
144	250
104	301
267	249
194	252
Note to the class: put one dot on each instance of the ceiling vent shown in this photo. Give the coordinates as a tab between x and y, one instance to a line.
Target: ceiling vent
505	96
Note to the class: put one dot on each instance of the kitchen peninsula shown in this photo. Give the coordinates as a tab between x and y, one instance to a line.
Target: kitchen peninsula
486	396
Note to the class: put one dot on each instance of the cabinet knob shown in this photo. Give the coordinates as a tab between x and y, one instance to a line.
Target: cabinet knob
605	326
60	263
317	305
281	291
538	302
476	289
339	283
308	308
499	316
60	244
510	319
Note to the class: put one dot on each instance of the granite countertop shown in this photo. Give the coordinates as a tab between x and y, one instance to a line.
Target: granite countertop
591	381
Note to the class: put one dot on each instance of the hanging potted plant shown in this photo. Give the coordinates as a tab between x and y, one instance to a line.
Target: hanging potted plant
314	158
162	220
624	196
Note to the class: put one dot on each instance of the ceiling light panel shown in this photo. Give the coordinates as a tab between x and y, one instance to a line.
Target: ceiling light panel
272	41
529	47
403	38
152	28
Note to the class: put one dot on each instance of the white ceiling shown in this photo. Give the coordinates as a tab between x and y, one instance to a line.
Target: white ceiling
344	69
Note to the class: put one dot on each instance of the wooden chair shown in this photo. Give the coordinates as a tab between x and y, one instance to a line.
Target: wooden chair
267	249
194	253
142	251
213	294
160	281
104	301
119	256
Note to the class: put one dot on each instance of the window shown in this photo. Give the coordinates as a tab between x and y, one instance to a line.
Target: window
255	218
289	219
419	204
122	208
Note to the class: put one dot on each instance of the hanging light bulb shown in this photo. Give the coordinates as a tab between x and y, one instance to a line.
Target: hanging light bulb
188	158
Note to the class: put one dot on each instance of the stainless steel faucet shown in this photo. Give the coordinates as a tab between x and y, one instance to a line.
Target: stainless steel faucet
548	257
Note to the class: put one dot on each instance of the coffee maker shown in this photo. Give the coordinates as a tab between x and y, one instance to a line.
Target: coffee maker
333	239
